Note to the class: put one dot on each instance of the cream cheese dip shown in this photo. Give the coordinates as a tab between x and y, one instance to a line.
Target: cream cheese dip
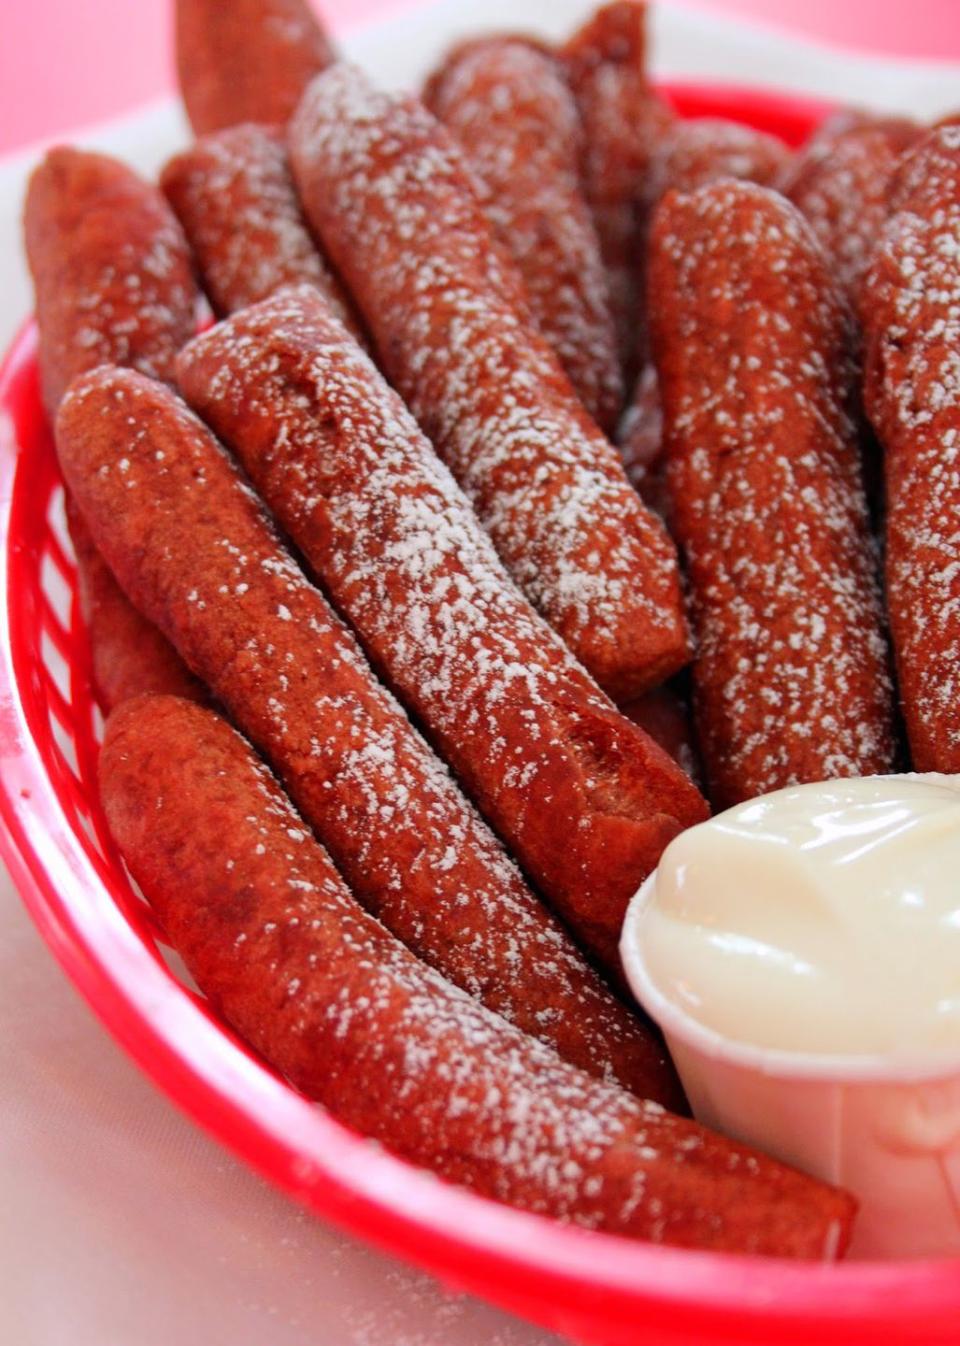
801	953
823	918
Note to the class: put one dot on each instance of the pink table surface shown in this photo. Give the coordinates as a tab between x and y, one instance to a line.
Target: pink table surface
65	63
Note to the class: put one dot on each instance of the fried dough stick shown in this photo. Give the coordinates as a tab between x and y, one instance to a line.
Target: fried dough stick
344	468
387	191
690	155
625	124
246	60
512	112
234	196
753	352
275	939
128	655
192	546
910	312
113	282
840	179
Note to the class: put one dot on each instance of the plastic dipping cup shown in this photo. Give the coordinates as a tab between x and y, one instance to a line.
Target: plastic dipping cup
886	1130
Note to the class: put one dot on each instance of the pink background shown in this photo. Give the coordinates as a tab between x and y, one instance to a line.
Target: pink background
69	62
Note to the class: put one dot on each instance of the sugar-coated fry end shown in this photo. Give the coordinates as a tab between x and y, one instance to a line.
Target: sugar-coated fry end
513	113
840	182
113	285
353	482
234	196
702	149
129	657
625	124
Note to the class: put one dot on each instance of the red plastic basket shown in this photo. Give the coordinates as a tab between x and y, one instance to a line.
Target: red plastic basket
597	1288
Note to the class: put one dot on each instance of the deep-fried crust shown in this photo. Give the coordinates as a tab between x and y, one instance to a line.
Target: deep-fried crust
234	196
690	155
274	938
752	349
910	312
624	125
191	545
386	189
129	657
111	270
246	60
516	120
113	285
703	149
839	181
353	482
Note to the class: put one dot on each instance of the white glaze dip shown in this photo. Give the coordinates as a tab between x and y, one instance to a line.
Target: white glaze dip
823	918
802	954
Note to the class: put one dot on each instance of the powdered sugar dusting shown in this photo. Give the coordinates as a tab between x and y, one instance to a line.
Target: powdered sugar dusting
418	1064
911	316
840	183
703	149
516	120
111	270
690	155
624	123
353	481
386	189
236	201
765	485
245	618
384	1042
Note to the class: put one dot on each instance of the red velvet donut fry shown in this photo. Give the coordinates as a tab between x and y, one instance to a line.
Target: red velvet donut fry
113	284
111	270
839	181
129	657
386	190
233	194
274	938
624	124
191	545
702	149
691	154
910	311
353	482
246	60
753	355
513	114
